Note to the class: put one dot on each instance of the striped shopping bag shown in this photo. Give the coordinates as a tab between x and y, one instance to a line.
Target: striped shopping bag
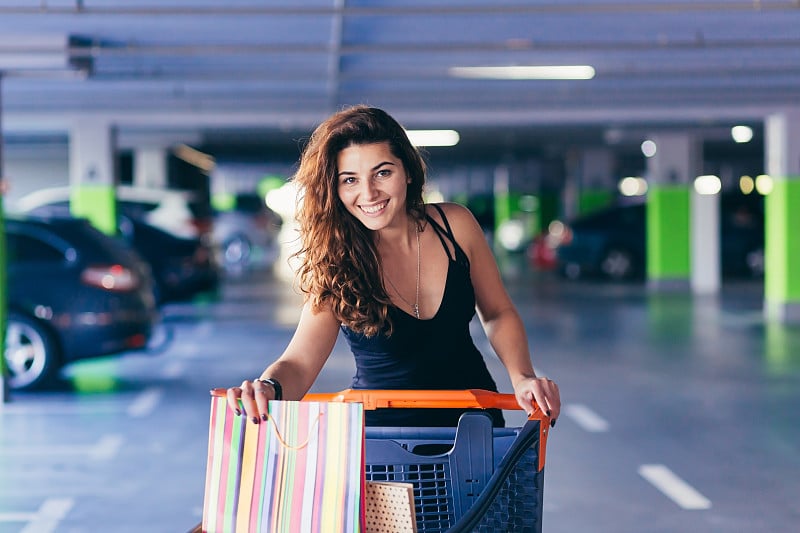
300	471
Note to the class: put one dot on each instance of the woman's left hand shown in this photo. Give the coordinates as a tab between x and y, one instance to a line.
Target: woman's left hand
541	390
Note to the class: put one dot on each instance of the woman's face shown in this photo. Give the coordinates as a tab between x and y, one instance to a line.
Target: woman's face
372	184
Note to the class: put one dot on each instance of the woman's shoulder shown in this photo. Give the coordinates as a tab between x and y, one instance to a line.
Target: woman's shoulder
458	216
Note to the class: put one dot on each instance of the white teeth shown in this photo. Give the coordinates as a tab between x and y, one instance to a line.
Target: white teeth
373	208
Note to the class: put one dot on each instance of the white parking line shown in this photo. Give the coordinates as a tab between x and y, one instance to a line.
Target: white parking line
586	418
674	487
49	515
144	404
106	448
173	370
54	408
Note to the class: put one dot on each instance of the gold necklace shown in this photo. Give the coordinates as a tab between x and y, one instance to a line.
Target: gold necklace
414	306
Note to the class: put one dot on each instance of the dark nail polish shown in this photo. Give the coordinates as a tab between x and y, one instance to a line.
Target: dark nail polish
553	423
548	413
255	420
264	418
238	412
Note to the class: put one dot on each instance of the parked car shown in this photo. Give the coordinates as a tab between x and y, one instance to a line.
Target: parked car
247	233
610	243
73	293
182	267
178	212
164	231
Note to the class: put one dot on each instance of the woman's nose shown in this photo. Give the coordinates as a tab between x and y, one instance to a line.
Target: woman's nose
368	188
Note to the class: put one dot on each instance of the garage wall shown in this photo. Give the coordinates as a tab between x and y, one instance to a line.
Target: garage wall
31	167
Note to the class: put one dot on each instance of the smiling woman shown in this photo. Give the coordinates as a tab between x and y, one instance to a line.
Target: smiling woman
401	281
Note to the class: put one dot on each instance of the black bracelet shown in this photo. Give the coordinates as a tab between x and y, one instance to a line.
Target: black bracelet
275	385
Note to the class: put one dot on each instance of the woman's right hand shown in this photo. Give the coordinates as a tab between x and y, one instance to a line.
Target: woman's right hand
255	396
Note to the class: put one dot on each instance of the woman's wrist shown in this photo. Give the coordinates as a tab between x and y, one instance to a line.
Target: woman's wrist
276	386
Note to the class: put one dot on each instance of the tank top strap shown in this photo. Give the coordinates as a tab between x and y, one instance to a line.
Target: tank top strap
447	231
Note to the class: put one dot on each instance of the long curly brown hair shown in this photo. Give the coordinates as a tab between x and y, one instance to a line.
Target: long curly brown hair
339	262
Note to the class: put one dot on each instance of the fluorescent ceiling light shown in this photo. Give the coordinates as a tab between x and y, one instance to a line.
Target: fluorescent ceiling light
522	72
433	137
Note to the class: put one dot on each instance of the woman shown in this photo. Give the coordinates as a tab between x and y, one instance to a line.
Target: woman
399	278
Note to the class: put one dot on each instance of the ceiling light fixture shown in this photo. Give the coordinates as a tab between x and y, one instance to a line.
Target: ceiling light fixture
525	72
433	137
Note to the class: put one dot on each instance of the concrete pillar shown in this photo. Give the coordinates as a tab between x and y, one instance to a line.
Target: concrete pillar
150	167
782	218
676	162
597	180
93	175
705	250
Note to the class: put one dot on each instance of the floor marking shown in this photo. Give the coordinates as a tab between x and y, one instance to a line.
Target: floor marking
106	448
674	487
586	418
16	517
53	408
144	404
173	370
49	515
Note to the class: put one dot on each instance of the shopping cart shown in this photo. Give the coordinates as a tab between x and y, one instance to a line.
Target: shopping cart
473	477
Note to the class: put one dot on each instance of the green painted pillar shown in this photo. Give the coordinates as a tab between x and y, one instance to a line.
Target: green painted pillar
668	235
93	175
782	219
671	170
502	196
590	200
269	183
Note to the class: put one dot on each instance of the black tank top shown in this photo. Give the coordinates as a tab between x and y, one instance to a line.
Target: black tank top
437	353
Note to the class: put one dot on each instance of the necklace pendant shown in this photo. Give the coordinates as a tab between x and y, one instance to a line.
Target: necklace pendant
416	311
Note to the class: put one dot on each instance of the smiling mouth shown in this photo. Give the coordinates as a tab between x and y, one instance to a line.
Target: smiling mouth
372	209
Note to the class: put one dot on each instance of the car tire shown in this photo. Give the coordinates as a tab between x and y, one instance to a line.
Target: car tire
31	353
617	264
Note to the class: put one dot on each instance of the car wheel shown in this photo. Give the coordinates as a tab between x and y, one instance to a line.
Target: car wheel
617	264
236	252
32	357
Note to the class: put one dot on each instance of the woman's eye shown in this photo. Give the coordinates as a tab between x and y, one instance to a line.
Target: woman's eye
348	180
385	173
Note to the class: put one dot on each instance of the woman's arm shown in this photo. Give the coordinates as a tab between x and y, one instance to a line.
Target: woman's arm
499	316
295	370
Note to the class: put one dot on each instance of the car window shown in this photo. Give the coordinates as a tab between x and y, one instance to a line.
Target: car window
135	208
249	203
25	248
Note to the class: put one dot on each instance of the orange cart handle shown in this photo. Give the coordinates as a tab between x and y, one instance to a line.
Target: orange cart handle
432	399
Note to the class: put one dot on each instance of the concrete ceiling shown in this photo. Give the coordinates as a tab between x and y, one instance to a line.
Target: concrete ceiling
265	72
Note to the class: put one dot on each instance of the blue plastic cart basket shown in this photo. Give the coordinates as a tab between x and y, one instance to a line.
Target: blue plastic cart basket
470	478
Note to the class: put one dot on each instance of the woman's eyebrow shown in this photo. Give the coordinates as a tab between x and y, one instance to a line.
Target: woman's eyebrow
379	165
373	169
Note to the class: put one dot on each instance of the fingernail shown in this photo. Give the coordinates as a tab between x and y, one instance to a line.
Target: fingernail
548	413
255	420
553	423
238	412
264	418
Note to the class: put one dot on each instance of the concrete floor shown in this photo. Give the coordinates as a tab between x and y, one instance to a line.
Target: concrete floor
681	414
